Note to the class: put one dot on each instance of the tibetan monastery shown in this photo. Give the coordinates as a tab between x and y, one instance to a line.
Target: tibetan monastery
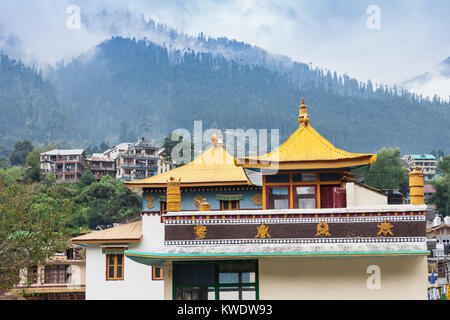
310	231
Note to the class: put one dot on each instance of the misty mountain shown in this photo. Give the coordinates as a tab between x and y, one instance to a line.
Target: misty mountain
434	82
28	106
126	24
124	87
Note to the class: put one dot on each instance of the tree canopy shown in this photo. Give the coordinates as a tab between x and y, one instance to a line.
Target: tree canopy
388	172
32	228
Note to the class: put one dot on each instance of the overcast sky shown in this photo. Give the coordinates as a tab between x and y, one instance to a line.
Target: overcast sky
333	34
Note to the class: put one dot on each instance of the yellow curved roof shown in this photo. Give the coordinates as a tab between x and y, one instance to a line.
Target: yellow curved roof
131	232
307	149
215	166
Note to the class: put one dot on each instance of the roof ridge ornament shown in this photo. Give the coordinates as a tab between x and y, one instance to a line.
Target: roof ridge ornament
303	118
217	140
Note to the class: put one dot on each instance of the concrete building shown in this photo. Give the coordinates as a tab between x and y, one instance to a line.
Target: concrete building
439	259
425	162
61	278
308	231
102	165
66	165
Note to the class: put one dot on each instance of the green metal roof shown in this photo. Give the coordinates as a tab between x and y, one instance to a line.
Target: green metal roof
423	157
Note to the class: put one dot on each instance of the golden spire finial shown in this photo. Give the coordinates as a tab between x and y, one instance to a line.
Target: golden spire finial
303	118
217	141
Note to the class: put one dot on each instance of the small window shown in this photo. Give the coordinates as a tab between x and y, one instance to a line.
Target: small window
229	204
277	178
304	177
32	275
56	274
157	273
114	267
305	197
278	198
330	176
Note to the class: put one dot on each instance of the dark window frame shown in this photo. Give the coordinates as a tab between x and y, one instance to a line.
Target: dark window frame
216	285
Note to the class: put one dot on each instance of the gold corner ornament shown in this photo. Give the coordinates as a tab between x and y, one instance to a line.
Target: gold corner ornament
263	231
385	228
323	229
200	231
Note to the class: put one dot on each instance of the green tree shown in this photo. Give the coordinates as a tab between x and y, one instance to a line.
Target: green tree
32	228
4	162
181	145
12	174
87	178
441	198
106	202
387	172
20	152
33	166
444	164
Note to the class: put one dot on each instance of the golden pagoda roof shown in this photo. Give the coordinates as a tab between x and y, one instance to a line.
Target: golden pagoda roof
213	167
306	149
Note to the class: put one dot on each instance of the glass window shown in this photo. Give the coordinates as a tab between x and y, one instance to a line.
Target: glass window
227	281
304	177
157	273
278	197
32	275
195	293
56	274
237	293
305	197
114	267
229	204
331	176
200	273
277	178
236	272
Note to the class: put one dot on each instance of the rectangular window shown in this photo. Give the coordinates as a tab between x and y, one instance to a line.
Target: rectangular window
114	267
225	280
32	275
330	176
304	177
157	273
56	274
229	204
277	178
278	197
305	197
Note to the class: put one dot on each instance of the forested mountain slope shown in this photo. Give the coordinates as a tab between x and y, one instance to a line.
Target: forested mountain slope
124	87
29	108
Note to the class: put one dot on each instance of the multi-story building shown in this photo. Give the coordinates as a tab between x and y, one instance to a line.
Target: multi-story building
309	231
102	165
63	277
164	165
66	165
439	260
425	162
140	161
